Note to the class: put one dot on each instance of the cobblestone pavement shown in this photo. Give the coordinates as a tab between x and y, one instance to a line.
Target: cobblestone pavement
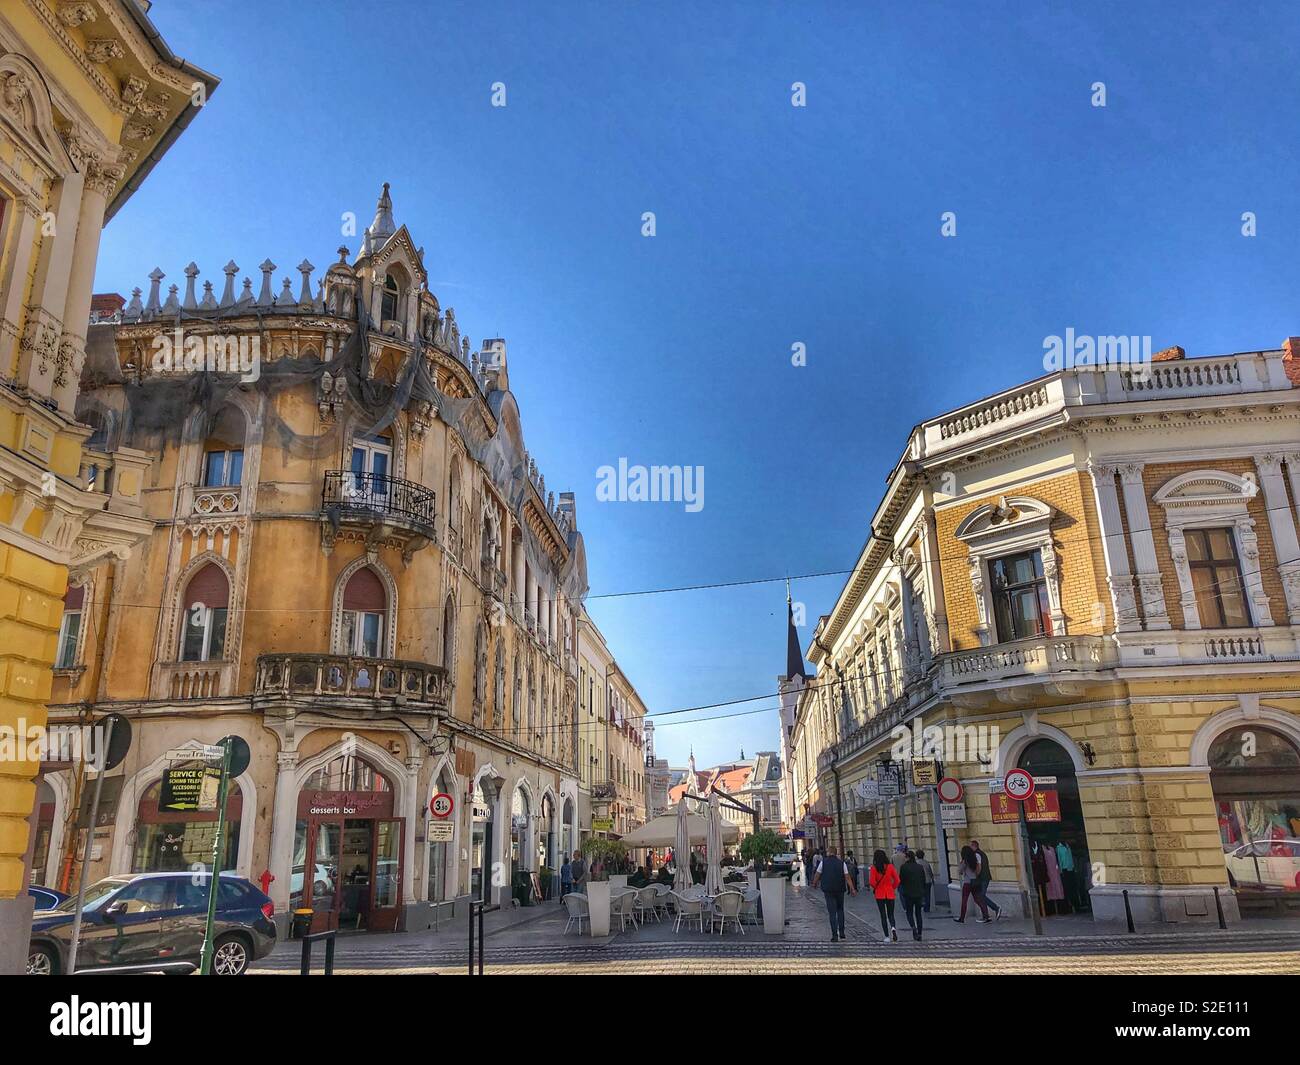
532	943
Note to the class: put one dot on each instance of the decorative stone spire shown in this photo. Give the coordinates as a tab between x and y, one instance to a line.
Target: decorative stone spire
191	272
383	226
135	308
304	297
285	298
319	305
209	301
246	297
228	293
173	305
155	280
264	298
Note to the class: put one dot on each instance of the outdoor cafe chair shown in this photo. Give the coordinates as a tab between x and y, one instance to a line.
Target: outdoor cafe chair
726	907
577	907
690	907
624	907
647	903
662	893
749	911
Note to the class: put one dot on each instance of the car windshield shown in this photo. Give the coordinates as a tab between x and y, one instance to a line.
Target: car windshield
95	895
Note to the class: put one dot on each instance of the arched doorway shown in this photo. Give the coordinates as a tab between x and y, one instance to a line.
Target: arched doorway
1055	836
567	829
520	836
353	877
1255	778
46	804
441	838
546	851
170	841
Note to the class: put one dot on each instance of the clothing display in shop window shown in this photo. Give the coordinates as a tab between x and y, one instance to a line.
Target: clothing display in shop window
1038	863
1064	858
1055	889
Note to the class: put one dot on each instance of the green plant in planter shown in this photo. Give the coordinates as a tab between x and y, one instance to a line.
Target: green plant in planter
608	853
761	847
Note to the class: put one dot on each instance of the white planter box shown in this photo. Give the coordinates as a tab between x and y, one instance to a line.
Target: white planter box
598	906
772	889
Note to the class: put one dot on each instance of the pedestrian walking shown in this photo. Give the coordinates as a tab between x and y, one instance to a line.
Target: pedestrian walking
578	872
851	863
884	886
899	855
970	867
911	886
833	878
929	880
982	881
566	878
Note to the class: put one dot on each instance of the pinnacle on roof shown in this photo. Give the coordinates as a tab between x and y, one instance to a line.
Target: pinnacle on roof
383	226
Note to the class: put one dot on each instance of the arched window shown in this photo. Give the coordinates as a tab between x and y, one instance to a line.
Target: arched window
520	833
347	772
365	605
1255	778
480	667
516	707
223	451
70	627
391	299
207	597
453	498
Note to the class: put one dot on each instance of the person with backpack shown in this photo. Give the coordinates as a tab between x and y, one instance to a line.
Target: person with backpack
981	889
884	886
911	886
833	878
851	863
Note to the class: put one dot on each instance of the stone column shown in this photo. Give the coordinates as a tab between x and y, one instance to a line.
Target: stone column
1118	574
13	281
284	820
1144	548
1281	523
100	182
411	810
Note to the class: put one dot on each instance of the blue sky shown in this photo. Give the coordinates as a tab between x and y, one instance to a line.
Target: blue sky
775	225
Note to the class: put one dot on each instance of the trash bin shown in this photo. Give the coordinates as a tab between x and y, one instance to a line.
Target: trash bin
301	924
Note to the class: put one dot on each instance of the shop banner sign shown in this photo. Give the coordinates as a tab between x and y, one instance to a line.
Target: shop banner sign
1004	808
869	790
889	781
602	824
925	771
864	817
952	814
188	789
1043	806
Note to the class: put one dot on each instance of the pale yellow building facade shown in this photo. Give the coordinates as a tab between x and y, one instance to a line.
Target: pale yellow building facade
90	99
1093	577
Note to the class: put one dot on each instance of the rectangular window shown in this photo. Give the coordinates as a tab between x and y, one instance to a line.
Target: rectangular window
69	630
223	469
1020	604
205	634
1216	577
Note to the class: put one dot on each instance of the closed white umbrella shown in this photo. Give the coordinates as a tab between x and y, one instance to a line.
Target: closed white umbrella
682	849
713	874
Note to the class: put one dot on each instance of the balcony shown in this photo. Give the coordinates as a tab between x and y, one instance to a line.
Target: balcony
1224	648
190	681
604	790
378	509
1018	671
351	681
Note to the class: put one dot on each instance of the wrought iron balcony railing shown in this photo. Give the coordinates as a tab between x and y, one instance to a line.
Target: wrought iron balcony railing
377	494
321	676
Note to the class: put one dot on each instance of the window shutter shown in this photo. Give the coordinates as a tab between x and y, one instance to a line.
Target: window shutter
209	587
75	598
365	591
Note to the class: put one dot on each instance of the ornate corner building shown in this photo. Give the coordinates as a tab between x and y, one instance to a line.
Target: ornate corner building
353	563
90	99
1094	577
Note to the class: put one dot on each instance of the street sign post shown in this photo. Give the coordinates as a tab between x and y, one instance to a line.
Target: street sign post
950	790
952	814
1018	784
110	726
441	805
227	748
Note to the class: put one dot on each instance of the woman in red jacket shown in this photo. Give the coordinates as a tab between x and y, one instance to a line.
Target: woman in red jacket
884	885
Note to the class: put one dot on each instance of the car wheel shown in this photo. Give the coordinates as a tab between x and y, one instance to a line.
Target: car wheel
231	957
42	961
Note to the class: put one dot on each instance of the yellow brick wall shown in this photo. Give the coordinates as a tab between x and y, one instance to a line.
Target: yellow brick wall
1084	596
31	606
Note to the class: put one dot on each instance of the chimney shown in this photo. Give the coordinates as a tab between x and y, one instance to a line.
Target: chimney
1169	354
1291	359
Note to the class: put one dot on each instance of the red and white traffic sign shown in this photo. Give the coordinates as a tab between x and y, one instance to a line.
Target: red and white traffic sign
441	805
950	790
1019	784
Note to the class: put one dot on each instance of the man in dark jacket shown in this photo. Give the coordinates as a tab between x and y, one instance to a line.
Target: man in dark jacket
833	879
981	886
911	886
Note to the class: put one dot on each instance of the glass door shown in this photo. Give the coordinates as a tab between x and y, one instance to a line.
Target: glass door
356	868
387	887
324	844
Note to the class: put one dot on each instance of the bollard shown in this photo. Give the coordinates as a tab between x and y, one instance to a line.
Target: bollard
1218	905
481	907
471	938
1128	912
329	937
305	968
329	956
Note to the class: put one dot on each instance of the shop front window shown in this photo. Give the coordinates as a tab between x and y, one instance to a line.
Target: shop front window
172	842
1255	777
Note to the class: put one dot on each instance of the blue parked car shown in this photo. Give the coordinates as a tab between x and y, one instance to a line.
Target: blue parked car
46	897
146	920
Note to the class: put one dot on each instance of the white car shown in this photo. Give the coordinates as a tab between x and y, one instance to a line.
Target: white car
1266	863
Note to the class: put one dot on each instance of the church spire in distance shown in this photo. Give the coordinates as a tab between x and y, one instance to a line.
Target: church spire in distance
794	663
